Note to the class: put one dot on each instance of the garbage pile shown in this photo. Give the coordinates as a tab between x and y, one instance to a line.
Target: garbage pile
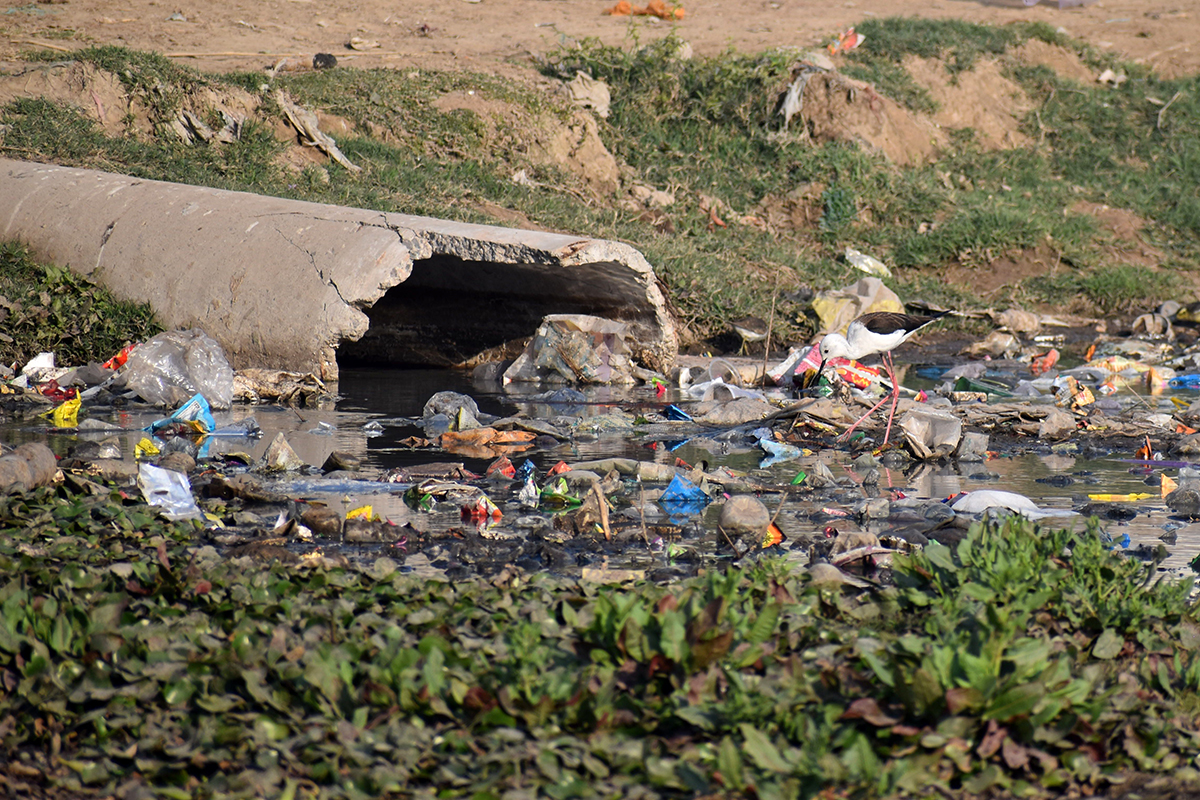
768	467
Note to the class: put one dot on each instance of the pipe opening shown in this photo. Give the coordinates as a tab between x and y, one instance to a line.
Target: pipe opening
450	309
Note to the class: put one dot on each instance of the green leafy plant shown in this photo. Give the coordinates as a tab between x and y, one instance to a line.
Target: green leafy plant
1024	659
45	307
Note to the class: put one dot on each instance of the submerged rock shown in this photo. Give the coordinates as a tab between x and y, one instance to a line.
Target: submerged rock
742	514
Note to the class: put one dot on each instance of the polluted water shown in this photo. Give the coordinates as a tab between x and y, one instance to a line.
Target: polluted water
467	510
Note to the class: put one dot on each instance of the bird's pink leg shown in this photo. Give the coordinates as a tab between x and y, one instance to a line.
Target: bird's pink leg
846	435
895	394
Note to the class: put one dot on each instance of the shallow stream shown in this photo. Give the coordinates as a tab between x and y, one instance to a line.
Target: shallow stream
1054	478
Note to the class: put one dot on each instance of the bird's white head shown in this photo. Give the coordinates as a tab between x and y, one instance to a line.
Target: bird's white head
834	345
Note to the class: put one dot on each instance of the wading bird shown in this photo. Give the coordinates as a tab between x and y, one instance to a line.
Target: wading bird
877	332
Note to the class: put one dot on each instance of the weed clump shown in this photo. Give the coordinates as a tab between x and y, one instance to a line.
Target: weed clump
44	307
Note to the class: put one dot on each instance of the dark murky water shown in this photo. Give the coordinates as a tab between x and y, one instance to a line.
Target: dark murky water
394	398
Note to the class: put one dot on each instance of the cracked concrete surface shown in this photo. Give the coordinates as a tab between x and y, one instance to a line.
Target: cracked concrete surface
286	284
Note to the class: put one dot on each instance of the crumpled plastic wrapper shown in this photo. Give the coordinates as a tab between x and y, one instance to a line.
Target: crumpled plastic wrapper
836	309
930	432
167	369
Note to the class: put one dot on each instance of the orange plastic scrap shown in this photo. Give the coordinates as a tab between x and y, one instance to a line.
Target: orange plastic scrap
856	374
1091	351
657	8
485	443
482	436
1184	429
1042	364
772	536
513	437
472	436
1168	486
1155	383
846	41
654	8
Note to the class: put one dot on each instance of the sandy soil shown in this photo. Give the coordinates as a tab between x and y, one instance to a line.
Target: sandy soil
222	35
505	36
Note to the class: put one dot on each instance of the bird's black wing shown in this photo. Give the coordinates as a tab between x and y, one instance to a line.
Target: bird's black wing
885	322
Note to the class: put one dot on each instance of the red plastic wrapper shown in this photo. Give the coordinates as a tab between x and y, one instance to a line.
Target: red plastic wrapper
481	509
502	465
55	392
854	373
118	361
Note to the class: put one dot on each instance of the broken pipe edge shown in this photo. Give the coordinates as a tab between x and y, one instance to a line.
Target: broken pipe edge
280	283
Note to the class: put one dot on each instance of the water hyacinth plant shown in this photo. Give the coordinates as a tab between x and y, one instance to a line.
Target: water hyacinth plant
1025	660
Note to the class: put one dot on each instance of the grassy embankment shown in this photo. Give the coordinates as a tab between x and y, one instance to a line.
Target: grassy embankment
709	127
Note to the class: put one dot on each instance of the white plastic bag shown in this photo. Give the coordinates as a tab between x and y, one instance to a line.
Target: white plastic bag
169	491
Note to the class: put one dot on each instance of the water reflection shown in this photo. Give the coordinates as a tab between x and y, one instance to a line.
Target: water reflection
394	401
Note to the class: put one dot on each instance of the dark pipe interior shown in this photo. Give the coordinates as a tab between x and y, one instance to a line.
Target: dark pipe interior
449	309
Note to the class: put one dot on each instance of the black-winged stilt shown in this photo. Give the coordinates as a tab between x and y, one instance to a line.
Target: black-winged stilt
877	332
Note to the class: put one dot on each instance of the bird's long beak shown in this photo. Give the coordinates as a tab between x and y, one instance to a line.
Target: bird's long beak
816	382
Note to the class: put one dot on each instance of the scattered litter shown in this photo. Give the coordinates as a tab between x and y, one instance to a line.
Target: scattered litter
846	41
65	415
587	92
931	432
837	309
280	457
307	129
169	491
654	8
867	264
986	500
168	369
577	348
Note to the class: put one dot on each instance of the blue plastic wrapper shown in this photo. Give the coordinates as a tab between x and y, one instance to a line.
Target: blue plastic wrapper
195	414
676	413
682	498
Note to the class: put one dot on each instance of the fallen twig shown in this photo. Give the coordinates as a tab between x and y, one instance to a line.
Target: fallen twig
737	554
1163	110
46	45
770	326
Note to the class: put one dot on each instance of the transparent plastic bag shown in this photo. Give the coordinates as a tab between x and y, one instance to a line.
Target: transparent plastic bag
169	368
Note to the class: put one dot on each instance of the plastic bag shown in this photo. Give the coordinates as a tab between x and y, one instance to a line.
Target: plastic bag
931	432
169	491
837	309
577	348
171	367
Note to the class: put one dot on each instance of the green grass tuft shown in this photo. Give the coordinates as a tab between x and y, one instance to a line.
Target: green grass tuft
47	308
